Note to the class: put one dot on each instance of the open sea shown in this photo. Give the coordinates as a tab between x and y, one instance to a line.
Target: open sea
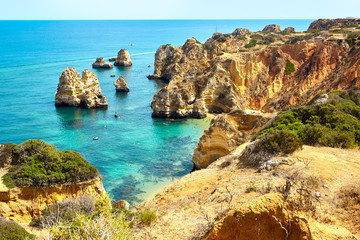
131	151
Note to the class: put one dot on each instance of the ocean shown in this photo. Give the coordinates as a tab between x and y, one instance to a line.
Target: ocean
136	154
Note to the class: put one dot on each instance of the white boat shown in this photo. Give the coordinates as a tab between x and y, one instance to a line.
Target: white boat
95	138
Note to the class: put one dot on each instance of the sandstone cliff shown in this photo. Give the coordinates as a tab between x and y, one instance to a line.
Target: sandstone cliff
123	58
74	91
121	85
326	24
257	71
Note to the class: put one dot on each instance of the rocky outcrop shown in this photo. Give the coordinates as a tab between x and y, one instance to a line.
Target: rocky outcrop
326	24
23	204
123	58
289	30
122	205
226	132
272	28
220	75
121	85
74	91
100	63
112	59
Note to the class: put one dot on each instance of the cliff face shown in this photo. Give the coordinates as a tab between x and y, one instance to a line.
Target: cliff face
221	76
74	91
326	24
226	132
22	204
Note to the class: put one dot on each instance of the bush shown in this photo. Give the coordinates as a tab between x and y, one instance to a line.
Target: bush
289	68
221	39
147	217
40	164
12	231
251	44
334	124
281	142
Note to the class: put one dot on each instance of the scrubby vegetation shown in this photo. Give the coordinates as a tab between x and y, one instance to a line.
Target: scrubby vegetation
335	123
289	68
251	44
37	163
147	217
84	218
12	231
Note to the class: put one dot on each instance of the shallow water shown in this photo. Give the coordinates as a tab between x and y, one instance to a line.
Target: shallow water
131	151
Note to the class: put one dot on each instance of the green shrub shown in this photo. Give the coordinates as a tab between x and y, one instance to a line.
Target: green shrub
40	164
281	142
289	68
256	37
147	217
12	231
335	123
221	39
251	44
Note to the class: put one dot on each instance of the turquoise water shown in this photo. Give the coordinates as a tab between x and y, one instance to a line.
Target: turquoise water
131	151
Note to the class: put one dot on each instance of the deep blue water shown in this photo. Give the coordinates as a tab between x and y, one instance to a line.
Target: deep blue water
34	54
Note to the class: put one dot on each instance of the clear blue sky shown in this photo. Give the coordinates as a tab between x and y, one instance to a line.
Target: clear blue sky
178	9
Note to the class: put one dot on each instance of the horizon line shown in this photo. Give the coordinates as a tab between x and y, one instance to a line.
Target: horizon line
164	19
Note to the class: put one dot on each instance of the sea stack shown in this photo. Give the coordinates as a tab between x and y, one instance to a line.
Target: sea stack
123	58
121	85
100	63
74	91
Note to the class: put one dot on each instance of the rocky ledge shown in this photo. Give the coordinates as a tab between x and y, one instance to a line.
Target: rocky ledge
260	71
74	91
100	63
121	85
123	58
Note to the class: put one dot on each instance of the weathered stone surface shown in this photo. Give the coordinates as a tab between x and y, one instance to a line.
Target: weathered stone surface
326	24
272	28
74	91
123	58
226	132
121	85
289	30
112	59
240	32
100	63
122	205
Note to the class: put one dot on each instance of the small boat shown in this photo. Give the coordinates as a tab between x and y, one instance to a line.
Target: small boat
149	66
132	44
116	115
95	138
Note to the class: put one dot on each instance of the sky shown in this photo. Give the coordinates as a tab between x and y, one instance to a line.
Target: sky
176	9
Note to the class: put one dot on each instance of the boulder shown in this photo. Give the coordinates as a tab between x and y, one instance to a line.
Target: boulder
272	28
123	58
122	205
121	85
289	30
74	91
100	63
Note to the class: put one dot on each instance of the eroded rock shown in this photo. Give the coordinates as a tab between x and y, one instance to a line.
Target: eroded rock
123	58
100	63
74	91
121	85
272	28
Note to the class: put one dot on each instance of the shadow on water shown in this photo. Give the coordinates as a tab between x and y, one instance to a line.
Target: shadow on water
121	95
73	117
159	83
123	68
127	190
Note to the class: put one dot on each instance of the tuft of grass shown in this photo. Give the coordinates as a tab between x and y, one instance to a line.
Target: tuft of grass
12	231
148	217
289	68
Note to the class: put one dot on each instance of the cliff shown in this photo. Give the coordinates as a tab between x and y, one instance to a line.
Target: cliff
74	91
259	71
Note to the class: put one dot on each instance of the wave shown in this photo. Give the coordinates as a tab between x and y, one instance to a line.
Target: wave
144	53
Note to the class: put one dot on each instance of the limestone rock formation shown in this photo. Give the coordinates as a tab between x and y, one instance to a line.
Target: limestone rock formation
220	75
289	30
100	63
122	205
112	59
226	132
74	91
123	58
121	85
272	28
326	24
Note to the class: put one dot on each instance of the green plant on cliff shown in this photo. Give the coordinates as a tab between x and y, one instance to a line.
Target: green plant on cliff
12	231
37	163
147	217
289	68
335	123
251	44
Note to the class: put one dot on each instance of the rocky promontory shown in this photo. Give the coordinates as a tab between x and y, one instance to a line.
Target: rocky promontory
272	28
121	85
260	71
74	91
123	58
100	63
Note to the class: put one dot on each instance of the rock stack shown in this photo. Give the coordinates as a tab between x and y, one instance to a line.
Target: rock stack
100	63
74	91
272	28
123	58
121	85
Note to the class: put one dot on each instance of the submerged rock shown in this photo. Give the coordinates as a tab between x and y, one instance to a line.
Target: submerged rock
272	28
100	63
74	91
123	58
121	85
